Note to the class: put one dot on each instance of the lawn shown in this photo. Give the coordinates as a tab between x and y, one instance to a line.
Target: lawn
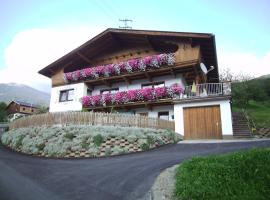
258	111
241	175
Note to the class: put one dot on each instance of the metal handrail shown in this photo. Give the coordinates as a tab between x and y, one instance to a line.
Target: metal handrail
206	90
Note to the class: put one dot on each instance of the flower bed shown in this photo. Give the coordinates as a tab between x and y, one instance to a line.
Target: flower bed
137	95
130	66
85	141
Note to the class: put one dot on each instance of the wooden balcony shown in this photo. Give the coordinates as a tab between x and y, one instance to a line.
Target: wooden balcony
187	69
191	93
187	58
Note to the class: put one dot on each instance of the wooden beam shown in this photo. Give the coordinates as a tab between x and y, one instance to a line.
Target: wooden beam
126	80
147	75
173	72
84	57
106	82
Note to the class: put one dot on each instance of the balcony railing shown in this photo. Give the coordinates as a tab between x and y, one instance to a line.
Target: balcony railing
206	90
156	95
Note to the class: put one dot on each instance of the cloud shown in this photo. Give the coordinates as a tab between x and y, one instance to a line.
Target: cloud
33	49
245	62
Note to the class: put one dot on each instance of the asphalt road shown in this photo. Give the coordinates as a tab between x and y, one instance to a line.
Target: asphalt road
122	177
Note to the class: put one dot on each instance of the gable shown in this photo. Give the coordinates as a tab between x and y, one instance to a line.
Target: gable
116	45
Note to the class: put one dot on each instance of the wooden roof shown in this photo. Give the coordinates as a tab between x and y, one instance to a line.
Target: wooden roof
117	38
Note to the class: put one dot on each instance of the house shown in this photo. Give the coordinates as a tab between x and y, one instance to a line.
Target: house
150	73
17	109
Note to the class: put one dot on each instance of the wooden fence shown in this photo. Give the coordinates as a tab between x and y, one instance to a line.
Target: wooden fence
91	118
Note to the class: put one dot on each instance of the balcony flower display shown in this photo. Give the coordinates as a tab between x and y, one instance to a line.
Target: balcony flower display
137	95
130	66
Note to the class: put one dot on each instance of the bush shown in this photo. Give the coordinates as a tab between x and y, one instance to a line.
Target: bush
242	175
98	139
145	146
150	140
41	146
69	136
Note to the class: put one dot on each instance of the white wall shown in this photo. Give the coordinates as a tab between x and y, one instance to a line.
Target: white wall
225	112
80	90
136	84
155	110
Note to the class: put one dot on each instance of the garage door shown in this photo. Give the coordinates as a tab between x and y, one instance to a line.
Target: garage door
202	122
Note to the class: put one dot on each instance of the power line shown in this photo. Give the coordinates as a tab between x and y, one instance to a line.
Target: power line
125	21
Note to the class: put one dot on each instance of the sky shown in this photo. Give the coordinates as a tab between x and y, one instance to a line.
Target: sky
35	33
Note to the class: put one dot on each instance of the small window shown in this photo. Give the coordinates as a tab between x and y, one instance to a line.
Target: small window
89	92
109	91
66	95
153	84
32	110
144	114
163	115
23	108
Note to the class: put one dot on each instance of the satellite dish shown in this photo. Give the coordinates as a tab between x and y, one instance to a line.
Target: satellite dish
204	69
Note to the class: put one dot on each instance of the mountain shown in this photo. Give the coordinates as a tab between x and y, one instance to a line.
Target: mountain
264	76
20	92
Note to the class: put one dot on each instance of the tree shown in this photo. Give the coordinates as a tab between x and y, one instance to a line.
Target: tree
3	114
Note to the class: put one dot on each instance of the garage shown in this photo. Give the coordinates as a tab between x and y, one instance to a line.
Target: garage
202	122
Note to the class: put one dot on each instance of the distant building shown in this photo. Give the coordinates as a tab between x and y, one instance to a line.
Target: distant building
17	109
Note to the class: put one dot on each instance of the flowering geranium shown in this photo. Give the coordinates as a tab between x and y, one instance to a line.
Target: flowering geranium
130	66
122	97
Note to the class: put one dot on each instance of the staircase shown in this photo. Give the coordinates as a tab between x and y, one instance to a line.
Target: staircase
240	126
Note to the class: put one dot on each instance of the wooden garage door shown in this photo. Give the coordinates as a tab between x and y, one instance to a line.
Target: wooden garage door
202	122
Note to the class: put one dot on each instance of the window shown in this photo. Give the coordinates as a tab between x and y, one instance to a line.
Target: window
23	108
109	91
163	115
66	95
89	92
153	84
144	114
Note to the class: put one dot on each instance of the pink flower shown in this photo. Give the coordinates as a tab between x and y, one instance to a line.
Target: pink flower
86	101
88	72
107	98
147	60
134	63
68	77
132	95
148	94
95	100
160	92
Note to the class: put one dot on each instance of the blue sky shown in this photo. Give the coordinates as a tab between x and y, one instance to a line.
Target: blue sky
242	29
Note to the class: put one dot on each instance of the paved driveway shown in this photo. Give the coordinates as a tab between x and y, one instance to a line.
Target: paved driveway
122	177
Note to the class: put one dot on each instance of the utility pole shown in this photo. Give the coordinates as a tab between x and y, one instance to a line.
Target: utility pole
125	21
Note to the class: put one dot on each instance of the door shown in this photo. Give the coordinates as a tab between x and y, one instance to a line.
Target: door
202	122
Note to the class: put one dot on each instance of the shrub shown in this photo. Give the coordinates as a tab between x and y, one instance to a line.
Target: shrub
85	144
145	146
108	151
150	140
98	139
41	146
69	136
93	151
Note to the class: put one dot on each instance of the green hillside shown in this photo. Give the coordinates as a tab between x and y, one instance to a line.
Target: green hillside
254	97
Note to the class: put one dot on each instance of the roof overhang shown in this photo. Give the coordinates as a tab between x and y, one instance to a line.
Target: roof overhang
117	37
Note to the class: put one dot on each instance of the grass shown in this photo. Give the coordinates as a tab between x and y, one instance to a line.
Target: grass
241	175
258	111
